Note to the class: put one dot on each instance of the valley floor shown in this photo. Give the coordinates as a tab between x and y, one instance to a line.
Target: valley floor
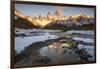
85	39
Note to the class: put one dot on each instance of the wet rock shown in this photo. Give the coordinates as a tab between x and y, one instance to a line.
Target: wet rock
64	51
84	56
70	52
42	60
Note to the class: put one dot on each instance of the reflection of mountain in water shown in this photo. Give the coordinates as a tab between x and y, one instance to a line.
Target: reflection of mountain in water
59	55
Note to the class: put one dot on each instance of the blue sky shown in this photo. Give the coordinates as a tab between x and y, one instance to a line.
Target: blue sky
35	10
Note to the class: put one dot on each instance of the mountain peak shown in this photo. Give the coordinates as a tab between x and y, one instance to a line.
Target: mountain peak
75	15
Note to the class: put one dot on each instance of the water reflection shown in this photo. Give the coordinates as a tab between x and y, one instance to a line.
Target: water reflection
54	45
59	55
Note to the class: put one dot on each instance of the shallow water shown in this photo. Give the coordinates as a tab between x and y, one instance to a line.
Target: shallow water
60	55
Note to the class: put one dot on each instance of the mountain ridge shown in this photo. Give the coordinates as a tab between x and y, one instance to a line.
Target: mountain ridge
42	22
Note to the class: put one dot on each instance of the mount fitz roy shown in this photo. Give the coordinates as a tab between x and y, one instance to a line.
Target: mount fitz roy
55	21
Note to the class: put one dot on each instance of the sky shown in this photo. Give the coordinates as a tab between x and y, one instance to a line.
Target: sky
35	10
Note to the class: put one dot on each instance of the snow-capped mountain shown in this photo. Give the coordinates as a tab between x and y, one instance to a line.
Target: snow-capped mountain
73	20
79	19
